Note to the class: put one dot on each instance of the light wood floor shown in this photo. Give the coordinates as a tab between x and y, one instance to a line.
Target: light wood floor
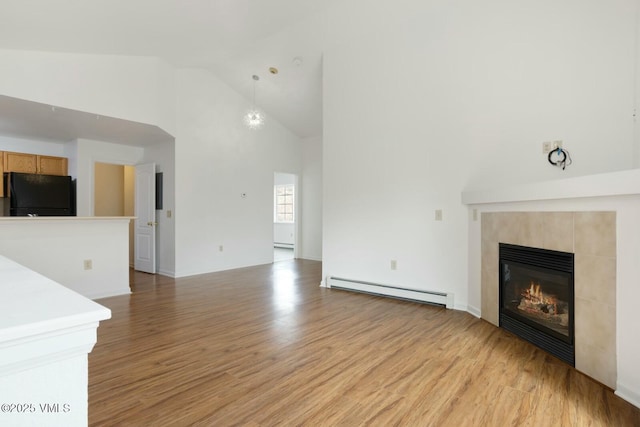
266	346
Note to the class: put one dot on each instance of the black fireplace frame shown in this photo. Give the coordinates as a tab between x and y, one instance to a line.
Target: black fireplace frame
549	340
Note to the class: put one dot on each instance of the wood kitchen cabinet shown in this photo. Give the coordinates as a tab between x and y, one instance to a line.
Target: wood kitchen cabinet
49	165
20	162
32	163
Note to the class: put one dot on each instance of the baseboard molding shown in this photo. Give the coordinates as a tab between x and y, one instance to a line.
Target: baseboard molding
626	393
101	295
167	273
311	258
474	311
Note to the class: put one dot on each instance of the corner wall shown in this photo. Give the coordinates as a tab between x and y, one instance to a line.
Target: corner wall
311	204
423	99
217	160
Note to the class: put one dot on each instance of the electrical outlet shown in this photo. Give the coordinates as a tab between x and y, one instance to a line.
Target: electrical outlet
221	248
549	146
394	264
438	214
88	264
168	214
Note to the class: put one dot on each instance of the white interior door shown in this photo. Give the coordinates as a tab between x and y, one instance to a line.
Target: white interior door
145	223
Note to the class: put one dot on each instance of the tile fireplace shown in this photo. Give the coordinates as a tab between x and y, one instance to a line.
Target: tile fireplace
536	297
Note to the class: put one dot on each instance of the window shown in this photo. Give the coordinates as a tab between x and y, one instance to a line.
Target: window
284	195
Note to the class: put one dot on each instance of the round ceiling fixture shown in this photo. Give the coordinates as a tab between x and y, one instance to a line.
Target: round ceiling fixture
273	70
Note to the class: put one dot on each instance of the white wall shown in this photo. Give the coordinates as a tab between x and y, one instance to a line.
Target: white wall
88	153
218	159
57	249
32	146
139	89
311	203
423	99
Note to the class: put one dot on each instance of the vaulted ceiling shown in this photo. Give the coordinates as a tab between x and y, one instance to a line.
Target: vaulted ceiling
234	39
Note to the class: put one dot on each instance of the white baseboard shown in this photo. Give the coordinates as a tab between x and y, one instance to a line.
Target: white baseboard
311	258
626	393
474	311
167	273
101	295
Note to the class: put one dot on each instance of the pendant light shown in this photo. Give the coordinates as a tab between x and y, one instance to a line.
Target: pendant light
254	118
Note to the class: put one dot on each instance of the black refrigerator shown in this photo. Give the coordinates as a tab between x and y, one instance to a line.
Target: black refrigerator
39	195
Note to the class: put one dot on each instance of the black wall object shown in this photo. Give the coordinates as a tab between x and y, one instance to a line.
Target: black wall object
158	190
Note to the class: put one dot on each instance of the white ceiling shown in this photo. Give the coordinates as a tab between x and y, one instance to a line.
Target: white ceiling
234	39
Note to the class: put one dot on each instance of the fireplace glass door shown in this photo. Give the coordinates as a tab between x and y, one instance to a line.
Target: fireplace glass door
539	297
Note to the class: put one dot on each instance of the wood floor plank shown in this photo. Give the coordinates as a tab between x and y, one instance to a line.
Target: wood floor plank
265	346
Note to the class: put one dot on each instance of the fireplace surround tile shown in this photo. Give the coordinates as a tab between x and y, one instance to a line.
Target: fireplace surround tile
558	231
591	236
490	295
595	233
489	226
597	278
594	320
509	228
531	227
597	364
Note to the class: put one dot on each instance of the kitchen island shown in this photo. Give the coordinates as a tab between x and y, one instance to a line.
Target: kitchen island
89	255
46	333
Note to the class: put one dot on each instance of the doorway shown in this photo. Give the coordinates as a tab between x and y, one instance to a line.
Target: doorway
114	195
285	216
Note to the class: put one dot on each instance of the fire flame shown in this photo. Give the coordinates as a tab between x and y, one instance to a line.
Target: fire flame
535	295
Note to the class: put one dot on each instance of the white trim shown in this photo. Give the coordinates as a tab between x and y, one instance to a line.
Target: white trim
168	273
626	393
101	295
474	311
622	183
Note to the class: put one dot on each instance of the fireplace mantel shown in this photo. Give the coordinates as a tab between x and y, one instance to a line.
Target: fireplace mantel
622	183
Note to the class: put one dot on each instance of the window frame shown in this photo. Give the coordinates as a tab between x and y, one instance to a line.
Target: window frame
276	204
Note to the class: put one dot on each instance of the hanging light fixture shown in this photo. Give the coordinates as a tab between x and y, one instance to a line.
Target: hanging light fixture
254	118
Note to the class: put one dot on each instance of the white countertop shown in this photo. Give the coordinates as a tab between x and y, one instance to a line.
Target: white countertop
66	218
31	304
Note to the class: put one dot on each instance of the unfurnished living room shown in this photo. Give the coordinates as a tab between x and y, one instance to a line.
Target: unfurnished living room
319	212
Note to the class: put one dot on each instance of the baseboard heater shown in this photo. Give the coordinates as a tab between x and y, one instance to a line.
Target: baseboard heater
429	297
283	245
